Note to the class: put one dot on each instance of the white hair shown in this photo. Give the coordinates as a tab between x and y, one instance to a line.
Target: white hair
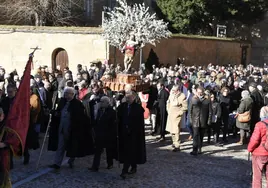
69	90
175	88
259	87
245	94
264	112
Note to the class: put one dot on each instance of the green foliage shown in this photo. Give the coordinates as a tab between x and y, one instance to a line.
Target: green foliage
201	16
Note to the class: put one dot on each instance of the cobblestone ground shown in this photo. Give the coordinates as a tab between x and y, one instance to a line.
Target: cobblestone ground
223	167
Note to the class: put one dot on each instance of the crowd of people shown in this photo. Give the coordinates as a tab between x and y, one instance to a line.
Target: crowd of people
88	117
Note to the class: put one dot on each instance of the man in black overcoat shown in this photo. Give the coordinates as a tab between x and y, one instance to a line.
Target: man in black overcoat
258	103
105	134
161	116
132	150
74	137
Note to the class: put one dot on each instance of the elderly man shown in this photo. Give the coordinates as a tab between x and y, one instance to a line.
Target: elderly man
74	134
176	106
131	134
105	134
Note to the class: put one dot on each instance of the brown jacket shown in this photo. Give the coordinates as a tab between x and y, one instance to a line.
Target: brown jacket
35	108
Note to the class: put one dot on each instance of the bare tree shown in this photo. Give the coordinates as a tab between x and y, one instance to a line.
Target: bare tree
42	12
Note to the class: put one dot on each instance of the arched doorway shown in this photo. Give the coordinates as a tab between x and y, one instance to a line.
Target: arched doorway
60	58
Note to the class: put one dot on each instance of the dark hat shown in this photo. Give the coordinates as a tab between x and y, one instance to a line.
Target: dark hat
253	84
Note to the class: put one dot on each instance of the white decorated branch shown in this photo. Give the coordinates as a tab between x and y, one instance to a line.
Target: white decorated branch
124	20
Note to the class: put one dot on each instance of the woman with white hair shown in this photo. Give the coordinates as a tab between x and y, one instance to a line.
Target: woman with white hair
245	106
259	153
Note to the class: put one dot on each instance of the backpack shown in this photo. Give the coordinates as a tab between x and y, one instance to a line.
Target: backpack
265	144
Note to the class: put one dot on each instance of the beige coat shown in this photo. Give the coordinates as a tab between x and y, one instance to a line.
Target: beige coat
176	106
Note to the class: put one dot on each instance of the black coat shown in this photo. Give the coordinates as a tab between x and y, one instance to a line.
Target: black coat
162	98
6	104
226	105
200	112
54	89
80	141
152	97
236	97
258	103
131	134
216	111
105	130
94	105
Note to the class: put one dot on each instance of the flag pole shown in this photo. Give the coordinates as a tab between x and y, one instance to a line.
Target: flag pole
44	141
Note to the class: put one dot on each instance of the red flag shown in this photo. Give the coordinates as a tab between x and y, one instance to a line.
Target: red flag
17	124
18	118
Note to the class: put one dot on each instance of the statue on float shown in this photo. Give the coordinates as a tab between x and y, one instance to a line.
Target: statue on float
130	28
129	50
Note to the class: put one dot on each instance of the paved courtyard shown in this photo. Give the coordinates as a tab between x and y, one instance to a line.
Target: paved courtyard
217	167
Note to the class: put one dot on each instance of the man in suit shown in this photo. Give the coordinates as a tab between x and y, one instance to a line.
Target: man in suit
162	98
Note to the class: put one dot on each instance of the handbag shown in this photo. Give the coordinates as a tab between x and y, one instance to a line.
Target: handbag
245	117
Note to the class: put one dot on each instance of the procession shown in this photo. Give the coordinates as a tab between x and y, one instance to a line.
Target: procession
121	121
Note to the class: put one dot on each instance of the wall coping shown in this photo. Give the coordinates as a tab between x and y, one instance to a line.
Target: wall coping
47	29
200	37
6	29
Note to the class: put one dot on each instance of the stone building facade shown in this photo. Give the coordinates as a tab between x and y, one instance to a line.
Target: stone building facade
59	46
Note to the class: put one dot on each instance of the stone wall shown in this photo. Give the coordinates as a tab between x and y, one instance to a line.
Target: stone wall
81	44
196	51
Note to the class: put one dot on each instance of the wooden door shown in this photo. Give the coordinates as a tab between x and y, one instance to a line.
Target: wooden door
60	58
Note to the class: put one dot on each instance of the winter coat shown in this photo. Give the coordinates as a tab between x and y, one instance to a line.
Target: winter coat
105	129
257	140
216	111
200	112
176	106
131	134
245	105
257	105
80	142
226	105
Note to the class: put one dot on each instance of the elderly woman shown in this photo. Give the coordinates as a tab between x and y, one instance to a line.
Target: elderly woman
245	105
74	135
259	153
105	134
176	106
